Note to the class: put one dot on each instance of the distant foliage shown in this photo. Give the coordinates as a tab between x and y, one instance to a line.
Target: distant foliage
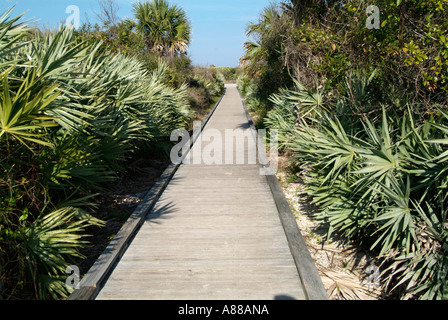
229	73
319	42
159	33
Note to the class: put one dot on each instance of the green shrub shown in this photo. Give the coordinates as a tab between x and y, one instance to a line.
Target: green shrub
71	114
371	140
199	99
383	184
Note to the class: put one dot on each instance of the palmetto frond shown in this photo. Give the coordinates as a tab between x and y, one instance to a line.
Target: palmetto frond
22	115
254	53
50	241
383	181
82	112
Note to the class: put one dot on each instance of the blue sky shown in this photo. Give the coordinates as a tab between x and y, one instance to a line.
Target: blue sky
218	25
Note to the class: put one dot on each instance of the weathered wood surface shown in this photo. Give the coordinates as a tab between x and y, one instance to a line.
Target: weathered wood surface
214	233
93	280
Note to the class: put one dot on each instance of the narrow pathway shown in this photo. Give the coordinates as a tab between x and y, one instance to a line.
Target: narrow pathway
215	233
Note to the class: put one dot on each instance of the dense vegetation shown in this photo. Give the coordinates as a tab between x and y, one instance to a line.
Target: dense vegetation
364	114
73	112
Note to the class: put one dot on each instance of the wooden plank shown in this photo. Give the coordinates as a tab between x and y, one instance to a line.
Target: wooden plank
242	262
214	233
306	267
84	293
256	291
116	248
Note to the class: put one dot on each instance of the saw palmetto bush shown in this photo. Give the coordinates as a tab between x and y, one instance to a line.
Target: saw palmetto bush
71	115
382	184
289	106
372	142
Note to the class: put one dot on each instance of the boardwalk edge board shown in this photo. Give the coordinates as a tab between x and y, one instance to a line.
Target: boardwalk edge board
91	283
309	275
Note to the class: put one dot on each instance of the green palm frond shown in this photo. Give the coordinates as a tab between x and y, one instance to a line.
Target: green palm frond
83	112
12	32
51	241
397	225
56	55
22	115
424	273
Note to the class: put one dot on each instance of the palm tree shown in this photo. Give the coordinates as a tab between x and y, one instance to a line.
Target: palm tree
166	28
254	51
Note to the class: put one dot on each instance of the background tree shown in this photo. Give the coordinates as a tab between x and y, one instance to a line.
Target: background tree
165	28
263	60
108	14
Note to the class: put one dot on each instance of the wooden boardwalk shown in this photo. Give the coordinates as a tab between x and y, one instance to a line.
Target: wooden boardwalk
214	233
